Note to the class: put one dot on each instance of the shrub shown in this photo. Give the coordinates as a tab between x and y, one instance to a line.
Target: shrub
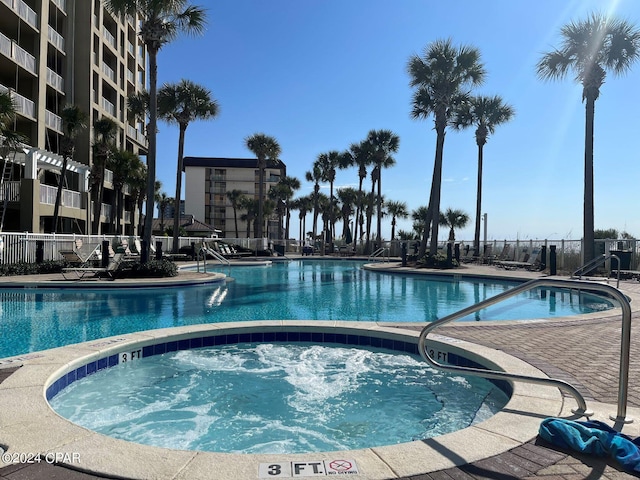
24	268
439	260
151	269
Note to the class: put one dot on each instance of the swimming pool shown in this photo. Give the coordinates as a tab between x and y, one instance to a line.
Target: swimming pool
38	319
277	398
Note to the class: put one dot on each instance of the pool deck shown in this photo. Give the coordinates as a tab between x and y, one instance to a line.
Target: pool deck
583	350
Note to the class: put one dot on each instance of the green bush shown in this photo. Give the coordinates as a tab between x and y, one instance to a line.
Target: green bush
151	269
24	268
439	260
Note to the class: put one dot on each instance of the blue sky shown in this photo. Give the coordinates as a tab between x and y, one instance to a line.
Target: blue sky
319	74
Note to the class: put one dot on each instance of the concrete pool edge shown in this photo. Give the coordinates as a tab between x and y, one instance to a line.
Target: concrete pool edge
27	424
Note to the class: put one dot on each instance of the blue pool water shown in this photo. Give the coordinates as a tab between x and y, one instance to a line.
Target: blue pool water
38	319
277	398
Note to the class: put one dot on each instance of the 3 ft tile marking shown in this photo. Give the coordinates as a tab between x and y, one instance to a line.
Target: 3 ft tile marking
317	468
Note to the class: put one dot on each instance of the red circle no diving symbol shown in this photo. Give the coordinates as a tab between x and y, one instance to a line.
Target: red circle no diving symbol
340	465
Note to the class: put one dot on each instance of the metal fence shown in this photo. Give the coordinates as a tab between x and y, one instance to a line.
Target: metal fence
21	247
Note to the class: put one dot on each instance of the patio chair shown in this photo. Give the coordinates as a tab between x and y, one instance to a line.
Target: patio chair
525	261
83	254
109	270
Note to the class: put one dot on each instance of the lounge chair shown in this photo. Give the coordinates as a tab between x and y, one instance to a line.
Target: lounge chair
83	254
528	261
109	270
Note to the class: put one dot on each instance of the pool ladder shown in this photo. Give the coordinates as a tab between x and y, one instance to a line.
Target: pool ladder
623	379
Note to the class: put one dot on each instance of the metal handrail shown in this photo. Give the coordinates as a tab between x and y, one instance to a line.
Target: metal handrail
380	253
204	250
596	262
545	282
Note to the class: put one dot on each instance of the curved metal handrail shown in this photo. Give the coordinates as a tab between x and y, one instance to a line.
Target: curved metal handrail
544	282
596	262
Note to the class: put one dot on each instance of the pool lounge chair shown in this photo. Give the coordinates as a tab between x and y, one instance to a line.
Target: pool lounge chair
529	262
82	255
95	272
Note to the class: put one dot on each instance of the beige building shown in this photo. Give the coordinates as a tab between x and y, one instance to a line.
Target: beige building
207	181
55	53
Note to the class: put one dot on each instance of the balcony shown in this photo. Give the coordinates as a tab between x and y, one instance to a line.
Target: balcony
108	37
109	107
55	80
55	39
131	77
24	106
105	211
108	71
108	176
24	12
5	45
10	190
69	199
23	58
61	4
53	121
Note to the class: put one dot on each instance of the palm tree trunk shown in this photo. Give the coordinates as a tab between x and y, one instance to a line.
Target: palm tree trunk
176	204
151	154
357	217
436	190
260	222
588	221
476	236
235	221
379	213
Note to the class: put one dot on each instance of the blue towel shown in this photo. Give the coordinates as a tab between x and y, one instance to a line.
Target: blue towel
593	437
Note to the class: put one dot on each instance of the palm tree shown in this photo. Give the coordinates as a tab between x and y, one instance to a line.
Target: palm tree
251	206
347	197
362	158
486	113
315	175
304	205
442	77
328	163
73	121
162	21
138	182
105	130
420	216
396	210
235	197
181	104
383	144
123	165
9	139
163	201
589	49
264	147
289	185
453	219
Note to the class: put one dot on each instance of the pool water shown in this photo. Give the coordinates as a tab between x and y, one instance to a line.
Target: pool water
38	319
277	398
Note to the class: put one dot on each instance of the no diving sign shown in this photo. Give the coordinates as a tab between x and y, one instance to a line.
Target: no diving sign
318	468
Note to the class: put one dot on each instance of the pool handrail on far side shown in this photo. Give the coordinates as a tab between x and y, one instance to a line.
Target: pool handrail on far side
623	379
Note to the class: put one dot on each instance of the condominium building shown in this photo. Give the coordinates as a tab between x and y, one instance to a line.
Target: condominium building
207	181
57	53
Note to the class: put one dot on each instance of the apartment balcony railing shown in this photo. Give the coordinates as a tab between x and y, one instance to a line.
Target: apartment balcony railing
55	80
131	49
131	77
53	121
108	176
5	44
10	189
105	211
109	107
24	106
69	198
108	71
23	58
141	138
55	39
24	11
61	4
127	217
8	3
108	36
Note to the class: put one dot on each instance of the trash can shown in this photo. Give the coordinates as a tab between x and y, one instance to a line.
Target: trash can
625	260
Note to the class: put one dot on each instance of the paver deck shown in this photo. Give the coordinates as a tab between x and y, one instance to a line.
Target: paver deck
582	352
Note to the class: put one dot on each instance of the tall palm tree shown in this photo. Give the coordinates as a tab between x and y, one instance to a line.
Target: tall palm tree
105	131
420	216
181	104
486	113
289	186
328	163
123	165
347	197
73	121
263	147
162	21
383	144
361	157
315	175
589	49
138	182
304	205
396	210
251	206
442	77
453	219
163	201
235	197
